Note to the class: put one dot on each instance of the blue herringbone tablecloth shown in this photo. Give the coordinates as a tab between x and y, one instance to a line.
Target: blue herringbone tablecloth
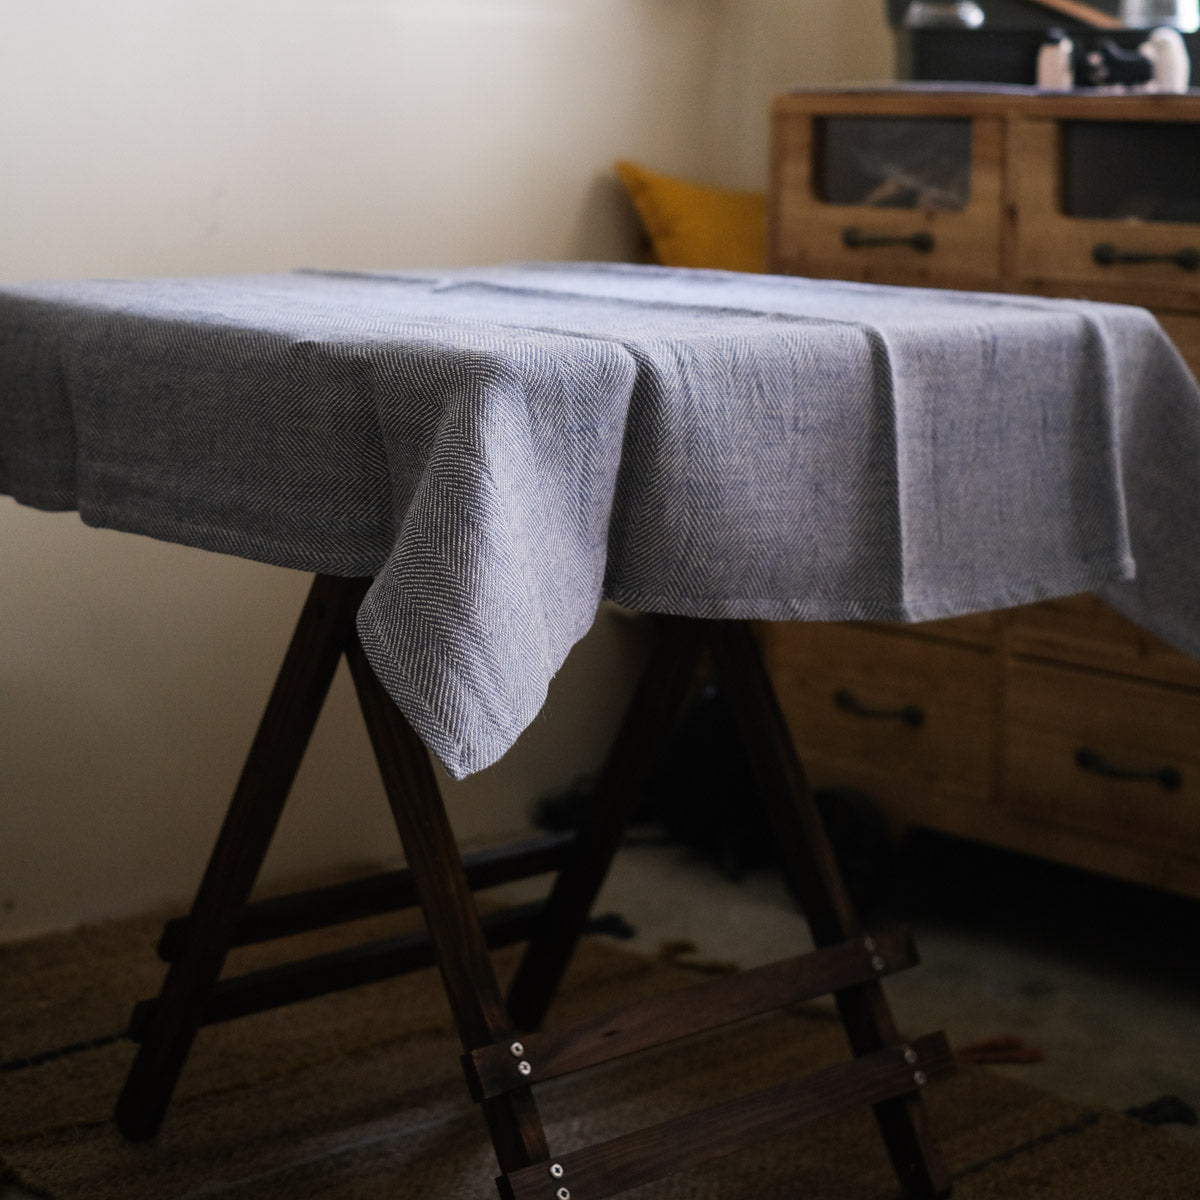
504	447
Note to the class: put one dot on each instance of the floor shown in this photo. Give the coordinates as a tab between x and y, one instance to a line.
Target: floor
1099	976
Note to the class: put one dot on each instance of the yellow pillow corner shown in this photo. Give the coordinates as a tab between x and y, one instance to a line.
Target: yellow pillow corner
695	225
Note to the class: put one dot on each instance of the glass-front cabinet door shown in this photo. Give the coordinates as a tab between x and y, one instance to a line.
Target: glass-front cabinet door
1107	201
871	186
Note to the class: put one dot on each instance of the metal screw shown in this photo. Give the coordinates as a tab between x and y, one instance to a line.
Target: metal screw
869	944
879	963
524	1068
516	1050
920	1078
556	1169
910	1055
563	1194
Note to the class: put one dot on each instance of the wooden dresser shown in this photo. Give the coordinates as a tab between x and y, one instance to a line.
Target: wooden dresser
1059	729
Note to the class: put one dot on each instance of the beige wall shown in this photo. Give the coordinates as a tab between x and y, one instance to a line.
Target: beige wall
771	45
202	136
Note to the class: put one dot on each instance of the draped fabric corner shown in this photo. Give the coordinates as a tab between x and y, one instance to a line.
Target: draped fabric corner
502	448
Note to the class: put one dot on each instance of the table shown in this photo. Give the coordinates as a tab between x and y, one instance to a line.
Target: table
470	460
501	448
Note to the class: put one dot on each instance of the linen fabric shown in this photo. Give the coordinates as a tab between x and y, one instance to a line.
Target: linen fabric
502	448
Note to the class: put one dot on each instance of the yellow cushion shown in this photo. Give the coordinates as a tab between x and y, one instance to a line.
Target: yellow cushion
691	225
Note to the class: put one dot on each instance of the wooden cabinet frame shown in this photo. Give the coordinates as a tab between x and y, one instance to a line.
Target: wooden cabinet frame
1080	742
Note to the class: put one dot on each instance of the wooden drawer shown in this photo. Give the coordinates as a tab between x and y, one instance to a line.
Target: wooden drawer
905	719
976	629
1084	631
1119	759
1055	250
916	242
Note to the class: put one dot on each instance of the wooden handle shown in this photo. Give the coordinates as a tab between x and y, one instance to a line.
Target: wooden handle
1081	12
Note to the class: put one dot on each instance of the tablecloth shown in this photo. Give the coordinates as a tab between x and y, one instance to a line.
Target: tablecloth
502	448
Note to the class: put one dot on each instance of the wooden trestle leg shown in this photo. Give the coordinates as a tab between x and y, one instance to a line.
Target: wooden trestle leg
808	862
642	734
811	868
505	1051
325	625
449	908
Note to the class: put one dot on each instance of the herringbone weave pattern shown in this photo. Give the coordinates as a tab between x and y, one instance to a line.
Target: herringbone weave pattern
501	448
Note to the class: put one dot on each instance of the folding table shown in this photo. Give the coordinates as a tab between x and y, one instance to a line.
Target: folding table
468	462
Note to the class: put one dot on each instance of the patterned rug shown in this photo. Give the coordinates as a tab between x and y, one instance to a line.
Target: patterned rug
360	1095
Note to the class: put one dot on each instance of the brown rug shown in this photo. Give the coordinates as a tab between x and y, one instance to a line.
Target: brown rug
360	1096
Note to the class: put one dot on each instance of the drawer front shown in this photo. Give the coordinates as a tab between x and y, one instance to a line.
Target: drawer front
865	706
1146	261
1116	758
915	243
976	629
1084	631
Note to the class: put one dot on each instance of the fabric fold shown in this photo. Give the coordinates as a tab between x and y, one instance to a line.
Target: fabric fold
502	448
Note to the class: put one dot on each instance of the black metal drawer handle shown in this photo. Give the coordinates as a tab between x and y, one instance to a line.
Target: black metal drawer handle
910	714
854	239
1105	254
1167	778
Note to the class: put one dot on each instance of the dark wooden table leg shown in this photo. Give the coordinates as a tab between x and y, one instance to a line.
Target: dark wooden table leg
325	631
640	739
814	876
449	907
325	624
